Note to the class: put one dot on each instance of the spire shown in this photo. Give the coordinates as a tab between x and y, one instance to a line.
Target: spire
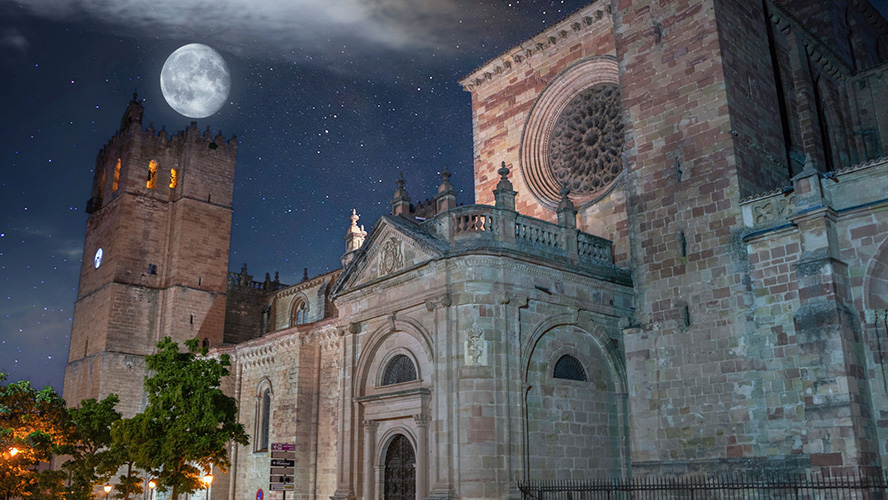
354	237
504	194
446	197
401	200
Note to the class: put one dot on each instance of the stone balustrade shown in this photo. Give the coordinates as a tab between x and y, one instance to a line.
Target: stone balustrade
485	225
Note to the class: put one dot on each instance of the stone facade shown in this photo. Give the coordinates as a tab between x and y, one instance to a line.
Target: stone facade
709	294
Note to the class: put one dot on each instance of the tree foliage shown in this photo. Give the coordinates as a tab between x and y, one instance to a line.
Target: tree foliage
189	422
33	424
91	461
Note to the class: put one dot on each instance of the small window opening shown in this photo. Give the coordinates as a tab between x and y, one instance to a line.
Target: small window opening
265	421
400	369
299	315
209	198
152	175
206	343
569	368
266	320
116	181
191	319
152	268
683	244
198	280
174	178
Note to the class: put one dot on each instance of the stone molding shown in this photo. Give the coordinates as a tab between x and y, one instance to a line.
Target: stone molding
562	33
818	51
301	287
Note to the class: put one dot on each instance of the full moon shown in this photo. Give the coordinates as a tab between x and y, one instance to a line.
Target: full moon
195	80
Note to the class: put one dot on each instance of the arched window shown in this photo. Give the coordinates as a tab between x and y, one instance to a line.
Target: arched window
569	368
116	180
299	312
152	175
263	421
174	178
400	369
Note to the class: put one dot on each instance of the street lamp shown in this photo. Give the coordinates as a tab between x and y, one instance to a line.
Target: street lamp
13	452
207	480
107	490
151	486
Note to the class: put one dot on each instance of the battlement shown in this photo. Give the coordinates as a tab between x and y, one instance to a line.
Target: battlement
188	164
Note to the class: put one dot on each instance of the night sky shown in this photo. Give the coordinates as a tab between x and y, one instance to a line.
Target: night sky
330	100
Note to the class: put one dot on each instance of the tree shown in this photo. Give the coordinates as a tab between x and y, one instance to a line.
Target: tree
189	421
32	425
91	461
127	436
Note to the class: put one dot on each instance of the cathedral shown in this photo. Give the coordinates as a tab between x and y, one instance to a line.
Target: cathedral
675	262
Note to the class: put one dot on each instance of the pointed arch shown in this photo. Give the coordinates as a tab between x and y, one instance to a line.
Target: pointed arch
299	310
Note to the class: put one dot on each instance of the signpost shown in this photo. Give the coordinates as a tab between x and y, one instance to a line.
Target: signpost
282	468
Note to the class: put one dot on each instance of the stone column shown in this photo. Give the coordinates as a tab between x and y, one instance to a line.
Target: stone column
422	454
370	427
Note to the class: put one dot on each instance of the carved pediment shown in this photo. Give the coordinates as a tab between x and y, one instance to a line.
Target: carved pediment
392	246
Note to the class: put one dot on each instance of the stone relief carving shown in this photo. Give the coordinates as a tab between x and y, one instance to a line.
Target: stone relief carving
392	256
586	141
475	347
771	209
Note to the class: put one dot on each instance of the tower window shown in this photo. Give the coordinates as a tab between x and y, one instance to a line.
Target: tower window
152	268
152	175
116	181
174	178
569	368
400	369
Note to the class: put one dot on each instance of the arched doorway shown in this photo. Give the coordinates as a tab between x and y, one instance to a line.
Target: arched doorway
400	470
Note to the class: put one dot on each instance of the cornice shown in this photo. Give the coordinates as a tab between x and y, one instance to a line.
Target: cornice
562	32
305	285
819	52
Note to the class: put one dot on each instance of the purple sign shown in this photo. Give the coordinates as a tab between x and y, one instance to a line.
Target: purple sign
283	447
259	494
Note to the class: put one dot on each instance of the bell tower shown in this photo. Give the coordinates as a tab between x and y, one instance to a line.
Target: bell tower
155	255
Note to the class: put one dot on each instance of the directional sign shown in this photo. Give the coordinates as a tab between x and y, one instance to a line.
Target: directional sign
282	467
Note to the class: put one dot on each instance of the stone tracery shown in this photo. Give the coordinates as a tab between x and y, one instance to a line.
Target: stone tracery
586	141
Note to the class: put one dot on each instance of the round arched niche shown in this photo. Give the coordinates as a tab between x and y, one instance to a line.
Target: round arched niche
574	135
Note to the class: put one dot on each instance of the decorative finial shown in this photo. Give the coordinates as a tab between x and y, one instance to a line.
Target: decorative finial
503	171
305	274
400	182
445	174
135	96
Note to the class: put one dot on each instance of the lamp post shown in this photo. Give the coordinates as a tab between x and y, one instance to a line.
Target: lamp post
151	486
107	490
207	480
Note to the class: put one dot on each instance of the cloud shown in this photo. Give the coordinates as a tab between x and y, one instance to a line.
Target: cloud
13	38
305	28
